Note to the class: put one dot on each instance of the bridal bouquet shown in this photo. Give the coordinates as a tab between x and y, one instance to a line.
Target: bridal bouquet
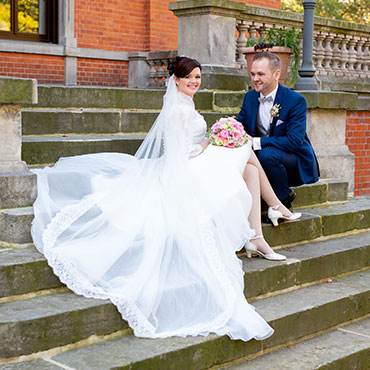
227	132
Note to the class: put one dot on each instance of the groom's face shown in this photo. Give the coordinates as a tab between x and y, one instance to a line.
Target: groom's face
264	79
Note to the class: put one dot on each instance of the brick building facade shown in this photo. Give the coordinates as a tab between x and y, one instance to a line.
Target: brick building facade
95	37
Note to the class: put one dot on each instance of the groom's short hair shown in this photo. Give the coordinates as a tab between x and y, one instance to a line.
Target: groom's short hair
274	60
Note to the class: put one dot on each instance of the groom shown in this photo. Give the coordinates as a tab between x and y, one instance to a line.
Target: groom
275	119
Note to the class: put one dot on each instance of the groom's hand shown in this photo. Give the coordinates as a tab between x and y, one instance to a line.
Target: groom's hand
249	137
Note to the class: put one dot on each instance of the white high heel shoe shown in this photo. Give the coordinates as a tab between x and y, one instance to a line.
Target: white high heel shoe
273	214
250	247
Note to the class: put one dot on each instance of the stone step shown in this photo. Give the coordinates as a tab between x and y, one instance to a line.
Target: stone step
41	150
110	97
24	271
347	347
325	220
89	121
49	321
323	191
343	217
293	315
58	96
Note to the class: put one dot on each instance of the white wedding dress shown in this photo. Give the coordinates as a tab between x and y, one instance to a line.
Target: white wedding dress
155	233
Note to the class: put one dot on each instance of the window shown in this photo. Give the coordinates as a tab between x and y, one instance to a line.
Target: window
32	20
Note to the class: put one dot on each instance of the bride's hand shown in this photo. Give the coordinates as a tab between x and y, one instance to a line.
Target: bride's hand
204	143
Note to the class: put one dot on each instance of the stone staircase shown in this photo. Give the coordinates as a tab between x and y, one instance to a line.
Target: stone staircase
69	121
318	301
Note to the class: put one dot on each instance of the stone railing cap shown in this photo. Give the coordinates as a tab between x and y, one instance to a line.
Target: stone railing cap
330	100
18	90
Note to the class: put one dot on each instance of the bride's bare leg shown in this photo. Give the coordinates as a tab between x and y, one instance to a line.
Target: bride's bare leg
252	179
267	193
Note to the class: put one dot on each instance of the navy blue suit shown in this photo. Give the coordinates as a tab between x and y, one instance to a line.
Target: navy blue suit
286	152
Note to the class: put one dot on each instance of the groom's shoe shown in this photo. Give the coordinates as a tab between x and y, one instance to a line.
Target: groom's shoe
292	194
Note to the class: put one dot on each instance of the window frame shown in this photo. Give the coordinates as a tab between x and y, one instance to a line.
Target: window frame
51	14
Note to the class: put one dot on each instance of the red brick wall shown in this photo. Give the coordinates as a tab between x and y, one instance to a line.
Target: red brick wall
45	68
112	25
358	141
101	72
139	25
161	26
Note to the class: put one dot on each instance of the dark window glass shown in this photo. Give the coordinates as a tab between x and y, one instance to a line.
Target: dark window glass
33	20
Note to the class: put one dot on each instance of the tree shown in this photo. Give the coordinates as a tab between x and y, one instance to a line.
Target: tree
349	10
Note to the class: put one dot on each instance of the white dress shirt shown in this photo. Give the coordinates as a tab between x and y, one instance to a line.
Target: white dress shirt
264	116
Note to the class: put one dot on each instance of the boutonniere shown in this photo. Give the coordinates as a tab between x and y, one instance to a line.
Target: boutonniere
274	111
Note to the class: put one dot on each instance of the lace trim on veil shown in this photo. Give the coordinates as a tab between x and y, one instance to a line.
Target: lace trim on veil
74	280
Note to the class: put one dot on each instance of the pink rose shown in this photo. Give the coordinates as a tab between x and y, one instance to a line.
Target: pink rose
230	145
224	133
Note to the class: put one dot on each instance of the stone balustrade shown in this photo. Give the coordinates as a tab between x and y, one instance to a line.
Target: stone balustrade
149	70
341	50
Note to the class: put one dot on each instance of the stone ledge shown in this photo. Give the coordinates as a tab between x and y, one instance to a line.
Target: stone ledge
330	100
344	83
18	90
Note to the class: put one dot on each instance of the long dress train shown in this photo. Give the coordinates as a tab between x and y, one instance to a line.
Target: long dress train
156	233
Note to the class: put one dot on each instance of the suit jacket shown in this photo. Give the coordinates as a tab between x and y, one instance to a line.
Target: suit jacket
288	130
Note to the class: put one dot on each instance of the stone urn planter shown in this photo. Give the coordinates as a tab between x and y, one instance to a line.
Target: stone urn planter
284	53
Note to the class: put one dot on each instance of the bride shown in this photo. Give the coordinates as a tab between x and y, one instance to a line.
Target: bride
156	233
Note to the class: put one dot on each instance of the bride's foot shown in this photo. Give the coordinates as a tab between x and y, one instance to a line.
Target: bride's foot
280	211
261	247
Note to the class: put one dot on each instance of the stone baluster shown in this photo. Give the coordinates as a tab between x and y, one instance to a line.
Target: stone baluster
166	72
152	73
241	41
328	57
366	58
161	72
320	52
344	55
252	31
360	54
336	53
352	55
262	30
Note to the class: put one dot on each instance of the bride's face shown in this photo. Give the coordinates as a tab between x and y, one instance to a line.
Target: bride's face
189	84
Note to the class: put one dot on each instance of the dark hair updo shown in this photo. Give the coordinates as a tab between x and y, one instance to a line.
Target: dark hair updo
182	66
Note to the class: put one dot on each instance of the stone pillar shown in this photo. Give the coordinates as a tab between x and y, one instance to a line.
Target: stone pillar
326	128
17	183
138	70
67	38
206	32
